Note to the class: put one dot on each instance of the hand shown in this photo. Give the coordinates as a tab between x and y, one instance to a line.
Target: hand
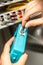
30	9
0	61
5	57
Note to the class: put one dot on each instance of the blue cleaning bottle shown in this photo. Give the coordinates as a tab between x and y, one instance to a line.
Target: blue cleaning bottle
18	45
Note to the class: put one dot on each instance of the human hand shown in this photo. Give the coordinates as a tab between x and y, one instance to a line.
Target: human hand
30	9
0	61
5	57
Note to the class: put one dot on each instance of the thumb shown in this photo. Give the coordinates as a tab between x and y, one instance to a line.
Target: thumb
23	59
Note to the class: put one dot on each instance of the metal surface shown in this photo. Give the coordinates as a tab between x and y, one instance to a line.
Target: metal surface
35	39
35	58
8	2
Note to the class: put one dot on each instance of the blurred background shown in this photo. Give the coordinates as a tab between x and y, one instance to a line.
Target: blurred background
34	44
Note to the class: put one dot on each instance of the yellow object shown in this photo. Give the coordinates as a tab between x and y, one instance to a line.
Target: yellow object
16	6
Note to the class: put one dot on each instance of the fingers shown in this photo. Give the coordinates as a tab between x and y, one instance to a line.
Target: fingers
32	4
23	59
34	22
24	7
30	10
27	16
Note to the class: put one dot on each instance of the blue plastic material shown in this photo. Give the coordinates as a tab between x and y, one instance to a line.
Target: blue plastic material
18	45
